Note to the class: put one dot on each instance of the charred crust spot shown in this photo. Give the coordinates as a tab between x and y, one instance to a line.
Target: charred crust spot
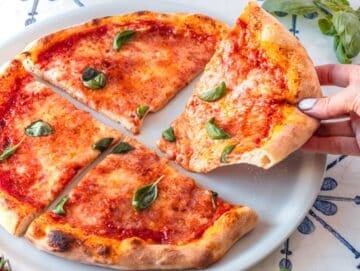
136	242
142	13
96	21
60	241
103	250
26	54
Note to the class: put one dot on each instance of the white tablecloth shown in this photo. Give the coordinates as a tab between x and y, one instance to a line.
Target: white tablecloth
328	239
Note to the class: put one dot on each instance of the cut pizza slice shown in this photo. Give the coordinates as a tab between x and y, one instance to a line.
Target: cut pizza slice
243	109
133	211
126	66
44	142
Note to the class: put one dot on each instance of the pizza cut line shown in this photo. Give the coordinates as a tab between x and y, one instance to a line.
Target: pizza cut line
243	109
126	66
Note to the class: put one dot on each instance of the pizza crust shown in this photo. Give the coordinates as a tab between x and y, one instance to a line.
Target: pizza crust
135	253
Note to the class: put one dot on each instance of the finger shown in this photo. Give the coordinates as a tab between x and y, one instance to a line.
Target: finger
342	128
332	106
333	145
335	74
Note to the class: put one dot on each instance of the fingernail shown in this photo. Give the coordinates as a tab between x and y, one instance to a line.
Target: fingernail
306	104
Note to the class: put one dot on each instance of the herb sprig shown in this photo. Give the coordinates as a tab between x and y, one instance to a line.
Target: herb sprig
336	18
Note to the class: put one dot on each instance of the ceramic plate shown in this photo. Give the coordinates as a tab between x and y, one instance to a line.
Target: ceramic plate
281	195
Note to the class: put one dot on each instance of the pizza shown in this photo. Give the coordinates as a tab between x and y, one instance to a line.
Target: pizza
44	142
126	66
133	211
243	109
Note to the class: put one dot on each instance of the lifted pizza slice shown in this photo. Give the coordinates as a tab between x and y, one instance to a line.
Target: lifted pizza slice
126	66
44	142
243	110
133	211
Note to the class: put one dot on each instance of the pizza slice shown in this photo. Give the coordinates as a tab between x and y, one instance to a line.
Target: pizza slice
126	66
243	109
44	142
133	211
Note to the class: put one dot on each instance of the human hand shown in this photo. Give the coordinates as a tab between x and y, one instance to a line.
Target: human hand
336	137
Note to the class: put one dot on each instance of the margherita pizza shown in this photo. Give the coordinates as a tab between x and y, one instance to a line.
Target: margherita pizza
44	142
126	66
243	110
133	211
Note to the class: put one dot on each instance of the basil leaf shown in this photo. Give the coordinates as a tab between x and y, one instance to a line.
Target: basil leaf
214	94
39	128
296	7
341	55
122	38
214	196
332	6
169	135
103	144
59	208
145	195
10	150
122	148
326	26
347	26
5	264
141	110
227	150
93	78
336	41
215	132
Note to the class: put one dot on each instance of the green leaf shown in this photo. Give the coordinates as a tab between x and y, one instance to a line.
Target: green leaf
122	148
296	7
141	110
169	135
122	38
59	208
103	144
93	78
341	55
336	41
214	131
214	196
5	264
227	150
214	94
39	128
10	150
145	195
332	6
284	269
326	26
347	26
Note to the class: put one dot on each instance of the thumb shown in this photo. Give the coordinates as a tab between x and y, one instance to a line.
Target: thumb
332	106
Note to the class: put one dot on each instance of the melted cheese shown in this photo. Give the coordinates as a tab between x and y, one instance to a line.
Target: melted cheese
42	166
166	52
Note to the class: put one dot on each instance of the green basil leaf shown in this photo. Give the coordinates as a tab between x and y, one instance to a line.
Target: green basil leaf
215	132
5	264
122	38
141	110
347	26
332	6
145	195
341	55
93	78
296	7
39	128
326	26
103	144
169	135
122	148
59	208
227	150
336	41
214	94
10	150
214	196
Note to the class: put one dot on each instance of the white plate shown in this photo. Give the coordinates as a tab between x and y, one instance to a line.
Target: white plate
281	195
